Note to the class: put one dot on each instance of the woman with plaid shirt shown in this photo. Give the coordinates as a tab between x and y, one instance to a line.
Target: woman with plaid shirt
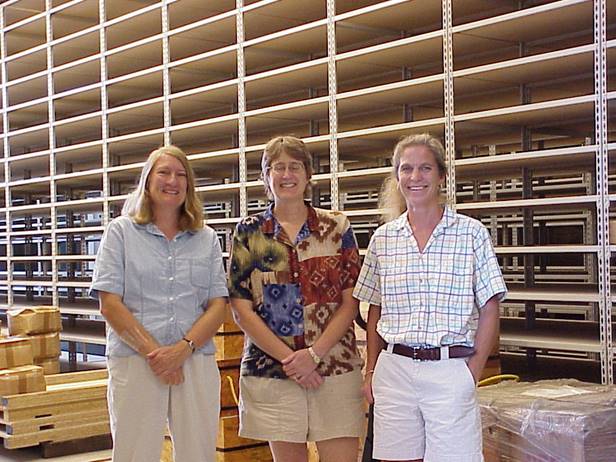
434	285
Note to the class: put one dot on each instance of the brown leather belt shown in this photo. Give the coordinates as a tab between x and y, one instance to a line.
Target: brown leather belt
432	354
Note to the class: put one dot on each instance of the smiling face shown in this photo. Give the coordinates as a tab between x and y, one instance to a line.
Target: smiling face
419	177
167	183
287	178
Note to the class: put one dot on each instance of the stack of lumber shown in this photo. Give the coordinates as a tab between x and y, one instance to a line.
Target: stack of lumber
230	447
41	326
73	406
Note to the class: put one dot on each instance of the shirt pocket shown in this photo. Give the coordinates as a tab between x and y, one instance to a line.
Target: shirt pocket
200	280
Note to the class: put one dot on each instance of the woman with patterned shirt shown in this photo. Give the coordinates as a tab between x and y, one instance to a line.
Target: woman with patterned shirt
292	273
434	285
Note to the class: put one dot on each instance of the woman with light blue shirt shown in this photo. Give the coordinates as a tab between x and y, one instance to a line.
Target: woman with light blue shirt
161	287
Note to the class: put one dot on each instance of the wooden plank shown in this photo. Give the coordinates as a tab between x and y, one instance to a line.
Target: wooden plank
19	427
96	402
56	435
67	392
71	377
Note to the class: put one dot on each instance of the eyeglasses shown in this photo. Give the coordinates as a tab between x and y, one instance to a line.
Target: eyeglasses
280	167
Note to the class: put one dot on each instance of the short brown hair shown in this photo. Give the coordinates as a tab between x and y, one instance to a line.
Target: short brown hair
138	207
293	147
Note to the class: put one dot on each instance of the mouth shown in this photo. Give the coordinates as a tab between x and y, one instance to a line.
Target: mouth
288	185
417	188
171	192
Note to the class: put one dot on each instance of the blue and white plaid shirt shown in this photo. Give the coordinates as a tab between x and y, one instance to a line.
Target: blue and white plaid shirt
431	298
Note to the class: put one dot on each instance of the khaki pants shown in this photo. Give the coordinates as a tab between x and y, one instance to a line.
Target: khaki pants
140	406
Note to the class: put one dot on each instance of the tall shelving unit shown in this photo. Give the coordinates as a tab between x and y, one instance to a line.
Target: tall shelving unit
522	92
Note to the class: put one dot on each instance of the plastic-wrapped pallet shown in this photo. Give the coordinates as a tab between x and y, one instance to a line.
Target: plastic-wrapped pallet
549	421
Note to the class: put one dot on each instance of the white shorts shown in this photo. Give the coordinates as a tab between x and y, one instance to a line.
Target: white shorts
425	409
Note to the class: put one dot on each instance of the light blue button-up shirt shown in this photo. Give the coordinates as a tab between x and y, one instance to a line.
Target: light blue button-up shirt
165	284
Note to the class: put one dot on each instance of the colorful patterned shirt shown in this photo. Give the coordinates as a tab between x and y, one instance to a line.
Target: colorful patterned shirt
430	298
295	287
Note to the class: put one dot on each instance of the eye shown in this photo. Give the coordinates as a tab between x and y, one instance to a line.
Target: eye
405	168
426	168
182	174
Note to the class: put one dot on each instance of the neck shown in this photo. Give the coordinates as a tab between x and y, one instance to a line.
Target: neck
291	211
167	220
424	216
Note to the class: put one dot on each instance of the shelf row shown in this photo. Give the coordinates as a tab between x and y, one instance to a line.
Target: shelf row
553	336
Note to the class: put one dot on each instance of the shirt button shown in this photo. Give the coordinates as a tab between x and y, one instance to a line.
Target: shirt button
169	258
170	299
171	278
172	319
296	274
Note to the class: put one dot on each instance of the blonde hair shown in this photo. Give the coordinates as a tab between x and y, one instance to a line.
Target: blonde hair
138	206
293	147
390	198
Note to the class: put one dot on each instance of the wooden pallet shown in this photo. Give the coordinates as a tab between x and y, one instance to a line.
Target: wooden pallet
73	407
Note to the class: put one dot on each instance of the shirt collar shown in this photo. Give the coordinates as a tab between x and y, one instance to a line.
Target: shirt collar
153	229
448	219
270	224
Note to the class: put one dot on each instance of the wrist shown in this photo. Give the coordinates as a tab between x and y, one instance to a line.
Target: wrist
315	357
189	344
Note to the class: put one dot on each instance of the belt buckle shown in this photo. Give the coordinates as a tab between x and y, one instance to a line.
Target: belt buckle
416	350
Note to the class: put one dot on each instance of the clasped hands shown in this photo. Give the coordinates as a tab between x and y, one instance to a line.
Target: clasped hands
300	367
166	362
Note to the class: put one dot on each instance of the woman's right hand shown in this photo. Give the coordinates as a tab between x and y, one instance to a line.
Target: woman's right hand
366	388
312	381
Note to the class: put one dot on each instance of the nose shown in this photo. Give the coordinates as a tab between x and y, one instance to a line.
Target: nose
173	178
415	174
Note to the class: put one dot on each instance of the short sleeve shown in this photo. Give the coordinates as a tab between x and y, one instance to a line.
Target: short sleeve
218	282
109	264
368	287
487	277
240	266
350	258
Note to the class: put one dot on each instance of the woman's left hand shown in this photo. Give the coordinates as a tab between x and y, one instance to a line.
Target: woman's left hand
166	359
299	363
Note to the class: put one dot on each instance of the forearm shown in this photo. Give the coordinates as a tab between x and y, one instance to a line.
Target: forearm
487	333
374	342
122	321
208	323
257	330
338	325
